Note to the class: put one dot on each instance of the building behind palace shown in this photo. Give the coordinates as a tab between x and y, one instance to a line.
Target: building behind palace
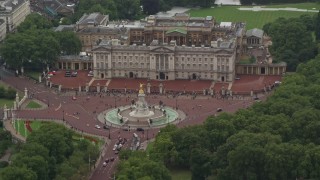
169	48
13	12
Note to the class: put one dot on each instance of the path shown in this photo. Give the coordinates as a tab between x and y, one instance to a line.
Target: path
259	8
6	156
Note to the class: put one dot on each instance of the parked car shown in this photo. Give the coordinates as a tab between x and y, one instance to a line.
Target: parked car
125	129
107	160
112	159
105	127
119	147
140	129
219	109
74	74
51	73
97	126
90	73
104	164
67	74
237	78
115	147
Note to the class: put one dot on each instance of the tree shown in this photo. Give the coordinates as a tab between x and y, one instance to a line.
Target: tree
286	40
200	163
35	163
150	6
14	173
140	166
33	48
128	9
219	130
69	42
56	138
246	2
317	26
34	21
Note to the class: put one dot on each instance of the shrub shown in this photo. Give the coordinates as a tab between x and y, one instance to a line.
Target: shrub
2	92
11	93
3	164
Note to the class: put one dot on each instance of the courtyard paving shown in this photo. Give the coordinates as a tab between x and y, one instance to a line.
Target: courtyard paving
81	114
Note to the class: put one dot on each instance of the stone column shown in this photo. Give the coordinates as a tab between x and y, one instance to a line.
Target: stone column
79	88
50	84
223	91
98	87
5	112
251	93
105	88
25	92
17	98
15	105
47	83
22	70
204	92
40	79
87	87
211	92
230	92
160	88
148	88
60	88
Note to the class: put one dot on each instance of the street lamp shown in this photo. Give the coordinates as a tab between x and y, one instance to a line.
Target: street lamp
63	115
176	102
115	101
109	134
48	101
147	134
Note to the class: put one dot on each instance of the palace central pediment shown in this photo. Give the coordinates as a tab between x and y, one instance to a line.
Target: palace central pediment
101	48
162	49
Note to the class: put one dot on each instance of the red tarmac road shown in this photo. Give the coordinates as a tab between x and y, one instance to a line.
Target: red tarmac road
63	107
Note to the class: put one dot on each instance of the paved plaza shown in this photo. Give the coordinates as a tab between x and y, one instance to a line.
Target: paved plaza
82	113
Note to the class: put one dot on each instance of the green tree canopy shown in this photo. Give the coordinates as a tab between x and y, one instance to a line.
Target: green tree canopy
34	21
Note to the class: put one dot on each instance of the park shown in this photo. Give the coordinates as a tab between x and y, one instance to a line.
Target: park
164	117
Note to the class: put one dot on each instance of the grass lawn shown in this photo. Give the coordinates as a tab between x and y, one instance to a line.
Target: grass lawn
149	147
178	174
33	105
308	6
33	74
253	19
21	128
8	102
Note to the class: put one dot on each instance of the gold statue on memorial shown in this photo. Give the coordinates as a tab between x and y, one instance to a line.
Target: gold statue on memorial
141	91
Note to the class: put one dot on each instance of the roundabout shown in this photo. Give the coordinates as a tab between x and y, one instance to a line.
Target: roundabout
140	114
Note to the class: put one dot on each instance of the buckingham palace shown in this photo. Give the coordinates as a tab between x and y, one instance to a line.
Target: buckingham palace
169	48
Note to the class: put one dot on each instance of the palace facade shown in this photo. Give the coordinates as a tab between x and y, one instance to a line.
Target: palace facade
168	48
